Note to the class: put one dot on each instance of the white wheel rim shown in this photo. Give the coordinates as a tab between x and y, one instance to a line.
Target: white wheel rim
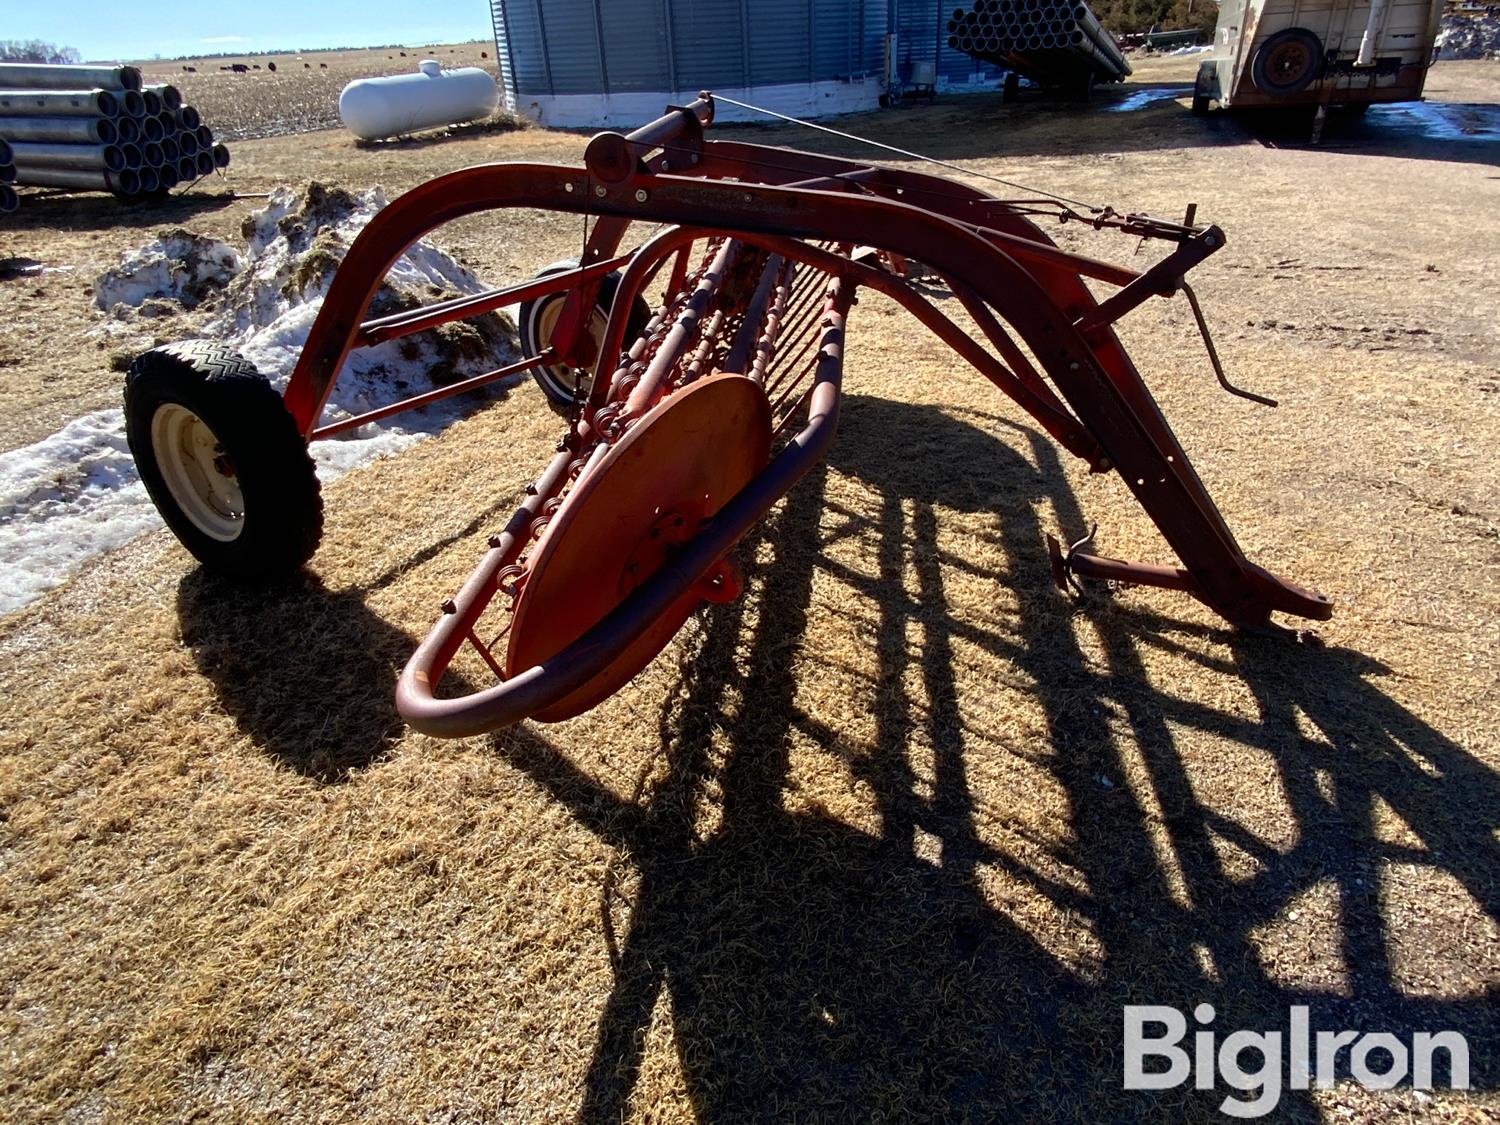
198	472
563	377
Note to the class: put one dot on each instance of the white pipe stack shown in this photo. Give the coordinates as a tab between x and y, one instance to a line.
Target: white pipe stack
1053	42
98	128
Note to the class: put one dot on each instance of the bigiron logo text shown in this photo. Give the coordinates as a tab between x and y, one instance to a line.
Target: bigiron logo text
1252	1062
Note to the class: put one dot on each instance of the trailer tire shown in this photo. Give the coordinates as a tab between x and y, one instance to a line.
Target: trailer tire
538	319
1288	62
223	460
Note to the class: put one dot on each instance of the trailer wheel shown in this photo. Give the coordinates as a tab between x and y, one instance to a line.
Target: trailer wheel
1288	62
538	320
1012	88
223	460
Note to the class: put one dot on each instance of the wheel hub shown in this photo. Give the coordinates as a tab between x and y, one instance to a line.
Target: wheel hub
198	472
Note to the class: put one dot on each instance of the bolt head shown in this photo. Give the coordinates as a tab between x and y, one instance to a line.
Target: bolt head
599	191
640	195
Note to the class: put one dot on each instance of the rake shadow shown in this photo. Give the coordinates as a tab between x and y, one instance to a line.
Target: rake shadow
817	971
329	712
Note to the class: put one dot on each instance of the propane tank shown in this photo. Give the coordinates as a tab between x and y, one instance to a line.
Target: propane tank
372	108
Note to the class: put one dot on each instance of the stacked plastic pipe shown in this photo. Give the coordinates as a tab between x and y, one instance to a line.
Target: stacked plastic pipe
8	199
1054	43
98	128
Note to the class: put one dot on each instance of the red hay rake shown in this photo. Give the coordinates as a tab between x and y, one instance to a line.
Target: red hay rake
689	421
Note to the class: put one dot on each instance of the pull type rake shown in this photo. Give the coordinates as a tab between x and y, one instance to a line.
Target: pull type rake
688	421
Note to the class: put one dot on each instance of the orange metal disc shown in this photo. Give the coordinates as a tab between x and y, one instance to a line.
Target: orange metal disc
673	469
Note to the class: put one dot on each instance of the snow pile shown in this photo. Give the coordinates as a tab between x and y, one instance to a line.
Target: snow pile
76	494
293	248
1469	36
179	266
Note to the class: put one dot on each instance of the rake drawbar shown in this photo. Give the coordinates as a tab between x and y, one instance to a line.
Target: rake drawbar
692	413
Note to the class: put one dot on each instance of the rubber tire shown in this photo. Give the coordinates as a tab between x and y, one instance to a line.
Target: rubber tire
559	397
1011	90
1260	66
283	518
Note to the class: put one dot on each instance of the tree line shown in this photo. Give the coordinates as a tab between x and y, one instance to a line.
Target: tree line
35	51
1127	17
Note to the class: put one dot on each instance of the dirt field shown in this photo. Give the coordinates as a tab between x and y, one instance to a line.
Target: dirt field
897	835
302	93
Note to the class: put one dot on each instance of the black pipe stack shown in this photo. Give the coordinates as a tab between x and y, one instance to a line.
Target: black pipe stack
1055	43
98	129
8	199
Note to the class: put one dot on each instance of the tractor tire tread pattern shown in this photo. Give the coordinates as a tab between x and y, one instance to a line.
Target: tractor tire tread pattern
283	498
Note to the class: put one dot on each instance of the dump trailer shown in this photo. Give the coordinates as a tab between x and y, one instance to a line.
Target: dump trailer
1353	53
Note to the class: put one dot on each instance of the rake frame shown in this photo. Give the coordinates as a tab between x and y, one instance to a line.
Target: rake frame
1087	394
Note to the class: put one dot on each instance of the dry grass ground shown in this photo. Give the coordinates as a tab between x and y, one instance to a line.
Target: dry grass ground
895	836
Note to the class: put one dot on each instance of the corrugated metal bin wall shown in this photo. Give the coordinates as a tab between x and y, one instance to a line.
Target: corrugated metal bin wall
551	47
922	36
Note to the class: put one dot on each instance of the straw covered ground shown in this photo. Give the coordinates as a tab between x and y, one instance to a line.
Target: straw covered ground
895	836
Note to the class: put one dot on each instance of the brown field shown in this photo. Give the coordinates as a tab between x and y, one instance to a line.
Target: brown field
895	836
303	91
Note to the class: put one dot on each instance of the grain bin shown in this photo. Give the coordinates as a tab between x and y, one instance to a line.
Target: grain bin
598	63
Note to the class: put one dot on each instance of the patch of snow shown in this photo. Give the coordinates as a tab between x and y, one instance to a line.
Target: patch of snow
1142	98
76	494
178	266
1439	120
65	499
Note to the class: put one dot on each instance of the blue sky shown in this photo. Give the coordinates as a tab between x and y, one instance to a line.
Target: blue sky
116	29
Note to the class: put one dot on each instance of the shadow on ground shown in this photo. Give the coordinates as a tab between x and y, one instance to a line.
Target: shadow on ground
817	971
80	211
1455	132
308	673
1144	117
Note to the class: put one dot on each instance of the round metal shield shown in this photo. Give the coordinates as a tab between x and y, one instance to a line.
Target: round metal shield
671	471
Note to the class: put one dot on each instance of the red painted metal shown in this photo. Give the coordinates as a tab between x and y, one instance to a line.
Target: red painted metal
651	493
429	397
772	225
